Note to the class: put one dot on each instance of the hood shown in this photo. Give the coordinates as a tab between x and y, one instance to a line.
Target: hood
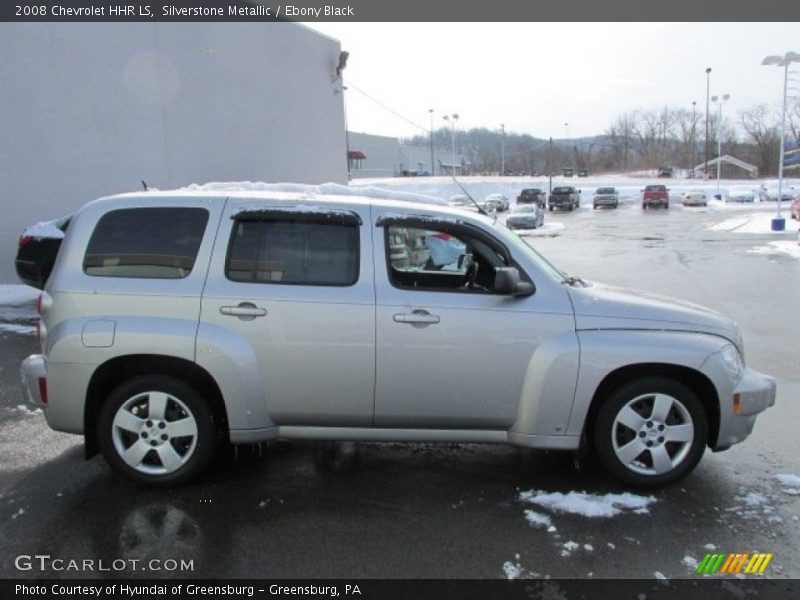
600	306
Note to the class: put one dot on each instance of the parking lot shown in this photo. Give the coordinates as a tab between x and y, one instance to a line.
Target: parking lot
452	510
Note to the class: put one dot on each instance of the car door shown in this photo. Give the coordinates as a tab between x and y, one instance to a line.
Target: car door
450	356
295	286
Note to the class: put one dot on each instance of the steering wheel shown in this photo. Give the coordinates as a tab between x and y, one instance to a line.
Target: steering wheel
471	275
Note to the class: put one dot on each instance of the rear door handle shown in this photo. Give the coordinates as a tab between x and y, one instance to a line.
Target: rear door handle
246	311
417	317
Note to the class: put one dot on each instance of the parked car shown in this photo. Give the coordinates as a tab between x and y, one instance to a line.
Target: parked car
583	172
568	171
740	193
532	195
666	172
564	196
795	209
694	198
526	216
769	192
37	249
496	202
655	195
605	196
176	322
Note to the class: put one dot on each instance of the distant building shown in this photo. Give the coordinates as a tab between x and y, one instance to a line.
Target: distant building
382	156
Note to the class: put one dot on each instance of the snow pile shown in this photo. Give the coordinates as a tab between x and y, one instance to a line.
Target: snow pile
791	483
18	329
789	248
752	505
325	189
587	505
546	230
751	223
17	309
569	548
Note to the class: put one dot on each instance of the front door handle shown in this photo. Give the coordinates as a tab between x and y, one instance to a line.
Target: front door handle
418	318
246	311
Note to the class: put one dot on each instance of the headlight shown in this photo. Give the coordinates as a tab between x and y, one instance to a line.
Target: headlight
733	361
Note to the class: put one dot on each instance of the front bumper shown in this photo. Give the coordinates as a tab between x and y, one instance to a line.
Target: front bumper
754	394
33	372
522	224
604	201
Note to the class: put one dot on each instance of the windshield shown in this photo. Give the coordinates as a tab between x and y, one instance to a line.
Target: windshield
605	190
562	190
512	239
655	188
525	208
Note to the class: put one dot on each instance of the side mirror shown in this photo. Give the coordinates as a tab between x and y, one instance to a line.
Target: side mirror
506	281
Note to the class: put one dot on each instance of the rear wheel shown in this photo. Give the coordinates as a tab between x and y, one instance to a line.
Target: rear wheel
156	430
651	431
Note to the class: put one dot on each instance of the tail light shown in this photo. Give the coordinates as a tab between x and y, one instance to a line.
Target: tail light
24	240
43	389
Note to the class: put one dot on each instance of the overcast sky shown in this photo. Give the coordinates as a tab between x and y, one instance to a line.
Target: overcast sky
534	77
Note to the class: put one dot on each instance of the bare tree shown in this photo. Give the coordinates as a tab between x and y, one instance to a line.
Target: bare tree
760	126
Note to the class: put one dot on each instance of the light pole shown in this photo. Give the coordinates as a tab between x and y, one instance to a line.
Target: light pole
433	165
708	91
452	120
502	149
779	223
694	130
720	102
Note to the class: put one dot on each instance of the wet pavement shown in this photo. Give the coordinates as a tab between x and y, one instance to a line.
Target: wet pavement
452	510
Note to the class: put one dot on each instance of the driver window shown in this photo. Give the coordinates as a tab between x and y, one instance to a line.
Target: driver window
430	259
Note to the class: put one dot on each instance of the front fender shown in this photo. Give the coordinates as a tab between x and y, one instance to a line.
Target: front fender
605	351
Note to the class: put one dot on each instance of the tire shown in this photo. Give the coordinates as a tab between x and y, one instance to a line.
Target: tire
550	208
629	416
594	206
644	206
155	457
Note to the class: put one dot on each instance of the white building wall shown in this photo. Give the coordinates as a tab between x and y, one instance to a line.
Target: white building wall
90	109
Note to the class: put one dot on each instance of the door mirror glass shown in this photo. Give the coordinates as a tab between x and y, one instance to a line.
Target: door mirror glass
507	281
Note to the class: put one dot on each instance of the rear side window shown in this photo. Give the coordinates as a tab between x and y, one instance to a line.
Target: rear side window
146	243
294	251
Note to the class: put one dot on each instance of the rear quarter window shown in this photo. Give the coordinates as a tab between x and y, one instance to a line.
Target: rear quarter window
146	243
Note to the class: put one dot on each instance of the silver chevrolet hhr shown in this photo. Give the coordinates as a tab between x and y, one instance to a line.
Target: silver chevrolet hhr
174	322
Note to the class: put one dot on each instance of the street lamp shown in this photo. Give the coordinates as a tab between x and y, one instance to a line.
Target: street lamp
452	120
778	223
502	149
719	102
708	91
433	167
694	129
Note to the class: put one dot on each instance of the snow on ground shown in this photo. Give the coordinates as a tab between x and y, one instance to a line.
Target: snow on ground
780	247
18	309
586	504
690	561
753	223
546	230
791	483
18	295
512	570
537	519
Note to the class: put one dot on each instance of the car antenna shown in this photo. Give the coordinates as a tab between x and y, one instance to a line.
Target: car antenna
144	185
463	189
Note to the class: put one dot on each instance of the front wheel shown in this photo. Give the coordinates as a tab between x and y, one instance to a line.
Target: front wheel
156	430
651	431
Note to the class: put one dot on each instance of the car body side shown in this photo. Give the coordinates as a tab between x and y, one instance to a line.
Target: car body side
545	360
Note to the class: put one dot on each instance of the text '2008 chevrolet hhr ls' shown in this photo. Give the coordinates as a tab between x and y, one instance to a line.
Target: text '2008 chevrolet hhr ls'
174	322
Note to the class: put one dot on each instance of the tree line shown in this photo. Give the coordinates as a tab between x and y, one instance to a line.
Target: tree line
635	140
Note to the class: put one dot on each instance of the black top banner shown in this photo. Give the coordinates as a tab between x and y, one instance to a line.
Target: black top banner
405	11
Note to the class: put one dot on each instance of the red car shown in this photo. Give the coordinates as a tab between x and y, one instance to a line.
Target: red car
795	209
657	195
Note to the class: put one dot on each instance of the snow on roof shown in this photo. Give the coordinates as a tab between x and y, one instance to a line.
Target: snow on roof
325	189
